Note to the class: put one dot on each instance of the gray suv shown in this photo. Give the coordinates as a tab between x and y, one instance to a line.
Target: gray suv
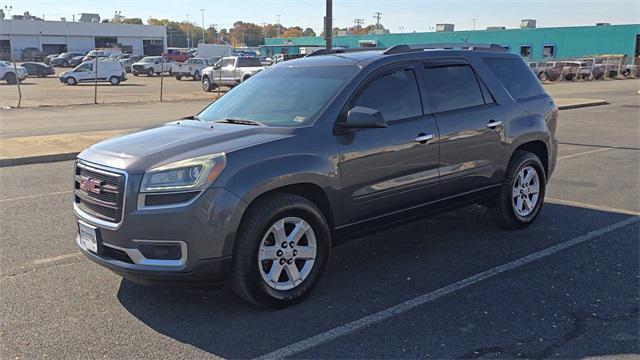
256	188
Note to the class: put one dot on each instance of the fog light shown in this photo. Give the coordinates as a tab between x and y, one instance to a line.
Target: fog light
160	251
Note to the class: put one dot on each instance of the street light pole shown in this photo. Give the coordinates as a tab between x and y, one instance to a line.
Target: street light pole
203	40
188	33
328	25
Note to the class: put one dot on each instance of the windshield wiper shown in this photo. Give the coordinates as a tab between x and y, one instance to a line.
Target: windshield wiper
241	122
191	117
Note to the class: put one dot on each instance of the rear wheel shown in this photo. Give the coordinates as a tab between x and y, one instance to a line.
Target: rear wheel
281	250
10	78
114	80
543	76
178	77
522	193
135	73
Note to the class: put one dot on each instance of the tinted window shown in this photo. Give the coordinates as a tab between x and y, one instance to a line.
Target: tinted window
453	87
394	94
227	62
517	79
248	62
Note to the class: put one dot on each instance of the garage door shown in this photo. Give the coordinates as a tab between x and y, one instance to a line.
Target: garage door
54	40
80	43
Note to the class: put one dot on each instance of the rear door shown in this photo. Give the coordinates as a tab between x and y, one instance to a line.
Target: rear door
228	70
389	169
470	124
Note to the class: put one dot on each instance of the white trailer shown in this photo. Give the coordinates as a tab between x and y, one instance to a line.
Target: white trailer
208	51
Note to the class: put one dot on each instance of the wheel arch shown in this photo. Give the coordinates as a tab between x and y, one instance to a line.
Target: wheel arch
537	147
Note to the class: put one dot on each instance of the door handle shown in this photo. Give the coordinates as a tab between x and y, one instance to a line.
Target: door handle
493	123
423	138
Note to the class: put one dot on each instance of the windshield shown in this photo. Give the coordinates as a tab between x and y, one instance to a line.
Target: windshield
148	60
281	96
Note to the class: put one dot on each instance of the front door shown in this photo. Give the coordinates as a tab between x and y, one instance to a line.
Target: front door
85	72
470	124
388	169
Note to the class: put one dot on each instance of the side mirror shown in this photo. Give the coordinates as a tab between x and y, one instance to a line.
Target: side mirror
216	67
364	118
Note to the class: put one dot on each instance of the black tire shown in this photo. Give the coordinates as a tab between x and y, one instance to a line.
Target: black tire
150	72
246	78
178	77
114	80
207	85
502	210
135	73
10	78
196	76
246	279
71	81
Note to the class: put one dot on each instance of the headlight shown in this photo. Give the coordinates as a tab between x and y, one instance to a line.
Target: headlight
190	174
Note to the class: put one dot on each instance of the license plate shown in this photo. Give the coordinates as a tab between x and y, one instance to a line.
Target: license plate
88	237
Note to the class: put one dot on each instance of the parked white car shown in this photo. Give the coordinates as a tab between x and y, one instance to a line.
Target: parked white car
108	70
151	65
11	76
191	68
230	71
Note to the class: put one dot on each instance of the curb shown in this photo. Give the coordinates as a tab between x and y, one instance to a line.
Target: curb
583	105
29	160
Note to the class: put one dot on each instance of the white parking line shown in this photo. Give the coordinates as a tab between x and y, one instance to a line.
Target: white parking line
583	153
591	206
34	196
366	321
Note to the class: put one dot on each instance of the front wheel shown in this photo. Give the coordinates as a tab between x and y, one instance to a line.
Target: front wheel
522	193
150	72
196	76
71	81
207	86
281	250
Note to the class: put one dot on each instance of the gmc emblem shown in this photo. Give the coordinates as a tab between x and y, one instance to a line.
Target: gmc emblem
91	185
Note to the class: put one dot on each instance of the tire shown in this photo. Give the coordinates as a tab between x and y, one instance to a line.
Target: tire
10	78
504	211
150	72
114	80
196	76
543	76
207	86
71	81
178	77
135	73
245	78
251	267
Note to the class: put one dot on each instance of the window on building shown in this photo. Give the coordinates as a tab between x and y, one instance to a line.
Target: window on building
394	94
549	51
106	41
525	51
453	87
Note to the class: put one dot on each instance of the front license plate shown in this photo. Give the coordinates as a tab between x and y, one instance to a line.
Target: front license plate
88	237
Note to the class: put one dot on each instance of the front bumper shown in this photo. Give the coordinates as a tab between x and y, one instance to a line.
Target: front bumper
205	229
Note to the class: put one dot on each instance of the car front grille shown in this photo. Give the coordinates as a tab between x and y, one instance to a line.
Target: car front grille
99	193
138	67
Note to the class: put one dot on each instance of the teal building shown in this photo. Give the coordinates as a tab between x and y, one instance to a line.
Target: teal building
531	43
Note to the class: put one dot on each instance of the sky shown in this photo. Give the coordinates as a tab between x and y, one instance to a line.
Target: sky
397	15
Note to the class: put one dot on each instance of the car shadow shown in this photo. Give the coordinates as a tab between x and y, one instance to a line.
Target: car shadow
101	84
364	276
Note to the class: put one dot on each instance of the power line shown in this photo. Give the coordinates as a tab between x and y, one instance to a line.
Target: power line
377	16
359	23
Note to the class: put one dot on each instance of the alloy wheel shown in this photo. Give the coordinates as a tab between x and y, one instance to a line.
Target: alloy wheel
526	191
287	253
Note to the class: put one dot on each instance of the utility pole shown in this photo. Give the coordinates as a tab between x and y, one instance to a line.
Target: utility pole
377	16
188	33
278	27
203	39
328	25
474	23
358	23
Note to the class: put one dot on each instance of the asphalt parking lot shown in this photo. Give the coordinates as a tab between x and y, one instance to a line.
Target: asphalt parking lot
451	286
49	91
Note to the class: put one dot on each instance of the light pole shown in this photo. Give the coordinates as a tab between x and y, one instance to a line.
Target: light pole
474	24
188	33
328	25
203	40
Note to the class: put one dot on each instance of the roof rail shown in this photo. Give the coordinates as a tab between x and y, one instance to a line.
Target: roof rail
342	51
398	49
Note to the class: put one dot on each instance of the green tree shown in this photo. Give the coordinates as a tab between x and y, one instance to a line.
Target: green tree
309	32
135	21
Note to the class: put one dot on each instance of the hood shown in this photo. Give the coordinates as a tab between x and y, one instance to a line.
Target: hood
175	141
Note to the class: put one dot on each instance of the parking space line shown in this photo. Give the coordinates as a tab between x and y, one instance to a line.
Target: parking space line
34	196
408	305
583	153
591	206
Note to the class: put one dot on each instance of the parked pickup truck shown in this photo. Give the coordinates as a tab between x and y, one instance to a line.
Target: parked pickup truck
230	71
151	65
191	68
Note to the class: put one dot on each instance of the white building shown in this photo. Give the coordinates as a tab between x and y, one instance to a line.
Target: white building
54	37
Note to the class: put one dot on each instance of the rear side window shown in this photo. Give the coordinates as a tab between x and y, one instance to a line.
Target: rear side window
452	87
394	94
249	62
519	81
